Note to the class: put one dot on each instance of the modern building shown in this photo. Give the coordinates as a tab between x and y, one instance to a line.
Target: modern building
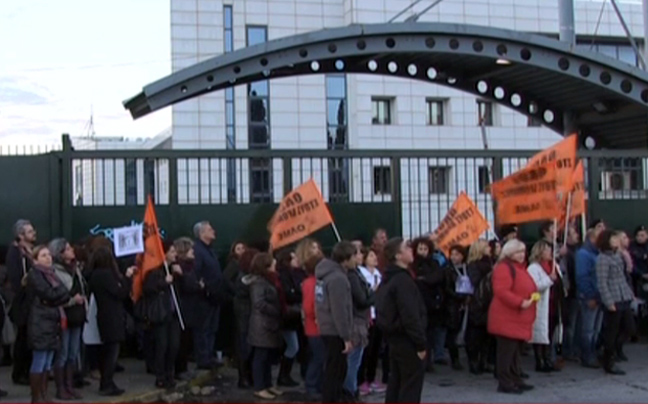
347	111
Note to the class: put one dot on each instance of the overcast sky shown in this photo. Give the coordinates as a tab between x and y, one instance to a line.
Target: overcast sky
61	58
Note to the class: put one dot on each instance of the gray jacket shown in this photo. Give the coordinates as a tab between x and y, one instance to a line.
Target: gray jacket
612	282
333	304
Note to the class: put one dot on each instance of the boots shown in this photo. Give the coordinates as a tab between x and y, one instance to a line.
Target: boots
608	364
541	365
69	381
59	379
36	384
285	370
243	379
44	382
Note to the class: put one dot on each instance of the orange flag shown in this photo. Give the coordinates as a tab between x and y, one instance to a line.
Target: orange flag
301	212
153	256
563	155
462	225
527	195
578	205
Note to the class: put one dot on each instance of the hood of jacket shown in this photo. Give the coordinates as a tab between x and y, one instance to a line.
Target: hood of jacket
326	268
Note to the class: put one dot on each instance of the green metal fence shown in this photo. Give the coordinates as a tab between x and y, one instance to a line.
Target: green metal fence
75	193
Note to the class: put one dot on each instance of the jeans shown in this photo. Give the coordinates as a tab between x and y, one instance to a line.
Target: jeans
436	342
571	347
315	370
335	369
109	356
262	368
292	344
354	358
167	343
205	336
42	361
591	321
70	346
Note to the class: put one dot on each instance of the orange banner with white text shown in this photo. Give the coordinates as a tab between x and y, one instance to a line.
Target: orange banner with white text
153	256
462	225
301	212
527	195
578	202
563	155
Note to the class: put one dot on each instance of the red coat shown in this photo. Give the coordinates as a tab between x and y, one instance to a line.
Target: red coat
505	316
308	306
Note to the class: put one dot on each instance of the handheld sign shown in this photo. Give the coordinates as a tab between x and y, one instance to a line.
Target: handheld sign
301	212
128	240
462	225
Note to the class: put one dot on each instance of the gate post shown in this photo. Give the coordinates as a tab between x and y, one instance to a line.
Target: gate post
397	194
66	187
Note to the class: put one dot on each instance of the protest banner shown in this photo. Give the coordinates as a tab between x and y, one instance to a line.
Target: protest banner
462	225
563	155
527	195
301	212
153	256
575	205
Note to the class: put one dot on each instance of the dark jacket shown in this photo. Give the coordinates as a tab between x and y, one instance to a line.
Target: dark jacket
363	298
207	268
18	263
231	271
190	294
44	324
291	280
639	253
568	264
156	289
111	292
430	279
454	303
333	302
74	282
243	302
586	282
478	272
400	310
265	317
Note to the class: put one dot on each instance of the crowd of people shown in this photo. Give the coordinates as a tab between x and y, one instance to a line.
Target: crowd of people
366	319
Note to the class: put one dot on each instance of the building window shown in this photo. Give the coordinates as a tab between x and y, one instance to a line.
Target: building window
439	180
621	174
484	178
259	126
485	113
382	180
533	122
381	111
230	107
337	136
435	112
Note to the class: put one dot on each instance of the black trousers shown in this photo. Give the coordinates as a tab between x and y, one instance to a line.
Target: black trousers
167	342
108	362
335	369
369	364
478	344
184	351
22	356
618	327
507	368
407	372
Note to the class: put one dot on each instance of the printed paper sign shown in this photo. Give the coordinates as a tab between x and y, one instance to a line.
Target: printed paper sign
128	240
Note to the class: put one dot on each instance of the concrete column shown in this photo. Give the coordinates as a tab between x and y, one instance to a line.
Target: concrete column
567	24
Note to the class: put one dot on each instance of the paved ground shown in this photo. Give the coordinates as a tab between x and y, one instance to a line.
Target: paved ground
573	385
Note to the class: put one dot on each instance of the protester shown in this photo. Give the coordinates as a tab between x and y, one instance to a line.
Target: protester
616	297
47	296
306	249
317	354
508	232
163	316
363	299
457	291
571	308
110	289
378	244
19	261
496	249
544	274
67	356
368	366
639	252
478	342
430	279
208	271
334	310
265	324
588	296
402	317
189	291
511	315
226	335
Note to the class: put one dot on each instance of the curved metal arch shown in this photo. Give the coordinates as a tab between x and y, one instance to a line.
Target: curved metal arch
537	76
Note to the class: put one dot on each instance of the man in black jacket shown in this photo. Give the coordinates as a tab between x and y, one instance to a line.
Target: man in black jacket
401	315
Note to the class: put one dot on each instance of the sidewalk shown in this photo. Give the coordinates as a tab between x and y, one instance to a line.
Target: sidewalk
139	386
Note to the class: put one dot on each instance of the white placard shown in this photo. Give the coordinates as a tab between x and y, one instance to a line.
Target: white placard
128	240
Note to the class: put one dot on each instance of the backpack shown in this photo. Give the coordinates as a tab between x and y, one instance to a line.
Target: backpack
484	296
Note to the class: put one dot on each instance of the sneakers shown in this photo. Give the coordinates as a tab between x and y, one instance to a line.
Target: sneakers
377	387
364	389
264	395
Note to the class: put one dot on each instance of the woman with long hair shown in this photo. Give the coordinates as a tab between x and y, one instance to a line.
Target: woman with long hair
67	357
265	324
46	319
496	249
478	342
242	312
317	356
430	279
458	290
544	274
226	335
616	298
511	315
110	289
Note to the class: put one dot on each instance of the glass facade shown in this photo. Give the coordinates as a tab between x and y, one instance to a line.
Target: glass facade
259	126
230	106
337	135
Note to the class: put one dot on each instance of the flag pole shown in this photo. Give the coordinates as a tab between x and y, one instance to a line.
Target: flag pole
583	225
175	298
567	218
337	233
